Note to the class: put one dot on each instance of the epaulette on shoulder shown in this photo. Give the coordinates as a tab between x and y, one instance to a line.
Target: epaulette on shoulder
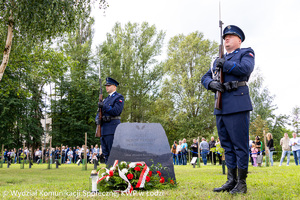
245	49
116	95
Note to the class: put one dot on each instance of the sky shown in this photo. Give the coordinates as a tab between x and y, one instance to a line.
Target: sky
271	27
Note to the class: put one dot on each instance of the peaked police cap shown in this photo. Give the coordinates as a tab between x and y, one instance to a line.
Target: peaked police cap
111	81
234	30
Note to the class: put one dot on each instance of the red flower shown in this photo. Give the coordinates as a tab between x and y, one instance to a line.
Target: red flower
159	173
162	180
147	178
111	173
150	173
139	164
130	176
172	182
137	169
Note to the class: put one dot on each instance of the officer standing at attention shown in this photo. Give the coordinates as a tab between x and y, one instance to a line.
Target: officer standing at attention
233	119
112	107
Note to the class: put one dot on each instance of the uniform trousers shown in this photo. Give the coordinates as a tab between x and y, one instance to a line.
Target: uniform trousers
233	130
106	144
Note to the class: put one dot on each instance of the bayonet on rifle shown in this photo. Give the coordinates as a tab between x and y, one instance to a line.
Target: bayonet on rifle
98	129
220	77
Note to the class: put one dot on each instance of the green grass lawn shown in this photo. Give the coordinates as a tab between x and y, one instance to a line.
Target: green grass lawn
71	182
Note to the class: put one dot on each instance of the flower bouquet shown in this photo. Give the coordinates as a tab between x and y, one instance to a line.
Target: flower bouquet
125	177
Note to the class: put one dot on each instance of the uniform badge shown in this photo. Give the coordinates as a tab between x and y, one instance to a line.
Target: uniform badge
251	54
120	101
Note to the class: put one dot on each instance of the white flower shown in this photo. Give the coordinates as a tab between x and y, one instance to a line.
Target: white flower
123	162
124	170
107	178
132	165
113	168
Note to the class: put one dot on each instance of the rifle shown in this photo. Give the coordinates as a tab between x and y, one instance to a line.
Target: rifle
219	75
98	129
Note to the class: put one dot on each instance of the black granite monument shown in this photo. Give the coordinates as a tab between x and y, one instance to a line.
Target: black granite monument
142	142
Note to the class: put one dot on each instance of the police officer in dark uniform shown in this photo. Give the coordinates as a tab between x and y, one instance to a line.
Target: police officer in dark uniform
112	107
233	119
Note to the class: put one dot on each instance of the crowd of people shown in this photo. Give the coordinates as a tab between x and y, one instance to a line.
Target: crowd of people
179	152
206	149
288	145
63	155
68	155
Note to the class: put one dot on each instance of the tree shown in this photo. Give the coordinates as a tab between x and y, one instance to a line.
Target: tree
262	117
74	108
37	21
296	118
189	58
129	56
258	126
262	100
21	93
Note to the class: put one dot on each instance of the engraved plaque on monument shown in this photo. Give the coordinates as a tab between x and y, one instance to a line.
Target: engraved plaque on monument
142	142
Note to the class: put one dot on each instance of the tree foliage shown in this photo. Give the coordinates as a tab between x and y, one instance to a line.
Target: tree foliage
74	105
129	55
262	117
36	21
296	118
22	92
188	105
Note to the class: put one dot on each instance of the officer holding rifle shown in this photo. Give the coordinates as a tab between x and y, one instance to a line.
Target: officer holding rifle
233	118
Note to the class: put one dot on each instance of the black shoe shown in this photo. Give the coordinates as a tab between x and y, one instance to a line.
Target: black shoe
231	181
241	186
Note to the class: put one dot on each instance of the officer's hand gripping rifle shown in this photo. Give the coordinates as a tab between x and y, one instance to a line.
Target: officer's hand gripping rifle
219	75
99	121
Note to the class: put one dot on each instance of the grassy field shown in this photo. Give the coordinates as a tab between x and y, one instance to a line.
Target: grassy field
71	182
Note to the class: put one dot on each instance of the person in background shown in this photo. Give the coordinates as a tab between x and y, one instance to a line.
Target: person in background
212	154
173	151
79	153
97	151
63	154
218	154
47	155
295	143
38	155
67	151
204	148
8	157
254	152
194	148
19	154
286	150
5	155
91	151
250	147
270	146
70	154
178	152
75	154
12	155
68	161
258	145
184	151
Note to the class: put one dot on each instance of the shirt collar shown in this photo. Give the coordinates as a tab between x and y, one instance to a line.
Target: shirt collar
111	93
235	51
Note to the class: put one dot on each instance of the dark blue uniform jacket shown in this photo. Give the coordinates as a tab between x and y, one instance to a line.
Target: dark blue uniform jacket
113	106
237	67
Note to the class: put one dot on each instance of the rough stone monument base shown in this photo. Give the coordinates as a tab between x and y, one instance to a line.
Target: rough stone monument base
142	142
